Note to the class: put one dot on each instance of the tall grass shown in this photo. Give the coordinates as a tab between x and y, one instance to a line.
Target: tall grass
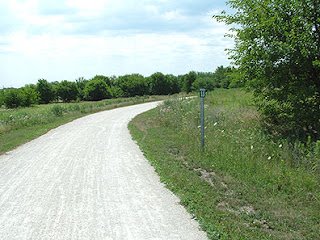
23	124
243	184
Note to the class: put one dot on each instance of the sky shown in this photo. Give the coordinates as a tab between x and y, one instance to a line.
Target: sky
67	39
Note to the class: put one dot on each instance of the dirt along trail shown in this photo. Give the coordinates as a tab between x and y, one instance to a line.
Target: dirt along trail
88	180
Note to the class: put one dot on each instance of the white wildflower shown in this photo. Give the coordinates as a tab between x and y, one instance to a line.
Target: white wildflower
215	124
251	147
280	146
269	158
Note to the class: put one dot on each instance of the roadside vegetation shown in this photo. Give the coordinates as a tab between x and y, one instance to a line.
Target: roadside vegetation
245	184
18	126
30	111
258	175
102	87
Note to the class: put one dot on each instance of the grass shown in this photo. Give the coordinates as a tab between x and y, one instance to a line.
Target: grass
243	184
18	126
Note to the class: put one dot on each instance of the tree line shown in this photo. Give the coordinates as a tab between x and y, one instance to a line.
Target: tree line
103	87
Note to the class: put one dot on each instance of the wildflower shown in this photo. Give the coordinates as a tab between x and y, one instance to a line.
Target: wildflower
280	146
269	158
215	124
251	147
222	131
199	126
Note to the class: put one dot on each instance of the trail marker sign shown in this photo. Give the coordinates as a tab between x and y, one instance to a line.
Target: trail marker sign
202	96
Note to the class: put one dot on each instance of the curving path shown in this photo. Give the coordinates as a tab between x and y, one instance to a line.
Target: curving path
88	180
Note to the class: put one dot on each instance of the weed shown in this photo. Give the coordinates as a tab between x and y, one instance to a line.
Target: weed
21	125
243	184
57	110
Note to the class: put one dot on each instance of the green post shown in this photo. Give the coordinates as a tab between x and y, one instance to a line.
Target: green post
202	95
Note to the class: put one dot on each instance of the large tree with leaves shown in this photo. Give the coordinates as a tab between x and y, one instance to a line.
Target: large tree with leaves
46	91
277	49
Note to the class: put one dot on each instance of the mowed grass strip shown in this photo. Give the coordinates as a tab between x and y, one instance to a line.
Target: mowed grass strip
243	184
18	126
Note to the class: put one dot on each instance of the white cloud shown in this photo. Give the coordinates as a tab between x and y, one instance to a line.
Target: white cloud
56	39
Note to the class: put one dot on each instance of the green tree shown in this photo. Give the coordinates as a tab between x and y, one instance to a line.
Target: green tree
277	50
159	84
46	91
1	97
22	97
96	90
13	98
132	85
173	83
203	82
81	83
188	80
30	96
67	91
107	80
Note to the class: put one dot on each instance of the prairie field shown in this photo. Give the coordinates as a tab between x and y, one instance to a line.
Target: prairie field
20	125
244	184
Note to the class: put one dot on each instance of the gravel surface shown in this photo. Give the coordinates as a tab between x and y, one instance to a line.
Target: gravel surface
88	180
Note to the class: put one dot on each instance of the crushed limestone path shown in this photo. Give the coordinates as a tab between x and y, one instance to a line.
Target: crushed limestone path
88	180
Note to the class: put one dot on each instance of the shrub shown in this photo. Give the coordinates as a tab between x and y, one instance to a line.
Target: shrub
29	96
96	90
13	98
206	83
46	91
277	50
57	110
132	85
1	97
67	91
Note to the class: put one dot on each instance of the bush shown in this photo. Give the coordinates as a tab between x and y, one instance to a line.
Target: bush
277	51
206	83
23	97
13	98
57	110
188	81
132	85
96	90
46	91
67	91
160	84
30	96
1	97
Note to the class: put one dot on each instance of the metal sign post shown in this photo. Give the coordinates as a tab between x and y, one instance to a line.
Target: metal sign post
202	95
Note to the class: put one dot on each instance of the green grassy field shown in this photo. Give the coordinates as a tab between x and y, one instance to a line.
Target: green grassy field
243	184
18	126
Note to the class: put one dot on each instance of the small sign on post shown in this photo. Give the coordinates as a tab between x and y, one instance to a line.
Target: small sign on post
202	95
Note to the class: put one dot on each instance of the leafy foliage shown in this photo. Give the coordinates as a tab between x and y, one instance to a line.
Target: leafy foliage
46	91
132	85
1	97
23	97
96	90
12	98
81	83
103	78
160	84
277	49
188	80
242	184
67	91
102	87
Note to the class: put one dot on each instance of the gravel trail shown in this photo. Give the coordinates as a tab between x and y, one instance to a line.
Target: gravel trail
88	180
